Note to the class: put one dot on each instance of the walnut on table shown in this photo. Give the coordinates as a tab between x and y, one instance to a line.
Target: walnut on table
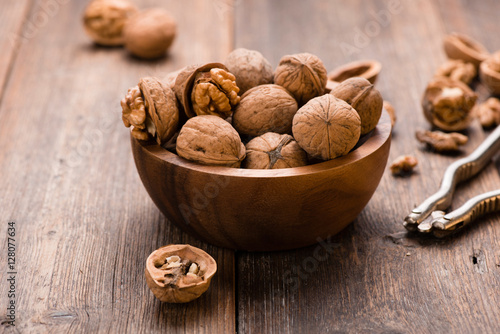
441	141
403	165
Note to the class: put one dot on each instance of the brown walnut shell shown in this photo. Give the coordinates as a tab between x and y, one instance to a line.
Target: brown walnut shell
210	140
265	108
489	72
303	75
360	94
179	281
460	46
250	68
104	20
274	150
447	104
368	69
187	80
326	127
150	33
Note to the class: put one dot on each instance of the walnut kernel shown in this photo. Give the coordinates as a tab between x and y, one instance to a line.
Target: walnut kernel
488	112
265	108
441	141
303	75
210	140
274	150
457	69
403	165
360	94
326	127
104	20
149	33
250	68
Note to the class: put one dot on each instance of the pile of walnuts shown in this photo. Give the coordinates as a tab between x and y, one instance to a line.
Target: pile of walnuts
146	33
244	114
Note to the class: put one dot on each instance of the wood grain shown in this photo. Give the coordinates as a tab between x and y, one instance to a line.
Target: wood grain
85	224
376	278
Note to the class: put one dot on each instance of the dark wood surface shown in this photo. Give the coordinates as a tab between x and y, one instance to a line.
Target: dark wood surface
85	224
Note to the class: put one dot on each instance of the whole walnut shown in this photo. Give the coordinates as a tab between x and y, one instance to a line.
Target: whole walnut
149	33
104	20
265	108
274	150
303	75
151	109
360	94
447	104
250	68
210	140
208	89
326	127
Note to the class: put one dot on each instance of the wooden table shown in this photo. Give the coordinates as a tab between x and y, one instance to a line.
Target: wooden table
84	224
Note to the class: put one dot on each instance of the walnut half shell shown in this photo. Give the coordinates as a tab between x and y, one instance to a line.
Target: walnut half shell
179	273
460	46
368	69
489	72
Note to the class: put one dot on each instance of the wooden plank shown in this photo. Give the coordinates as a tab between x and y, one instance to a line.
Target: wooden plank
374	277
84	223
12	17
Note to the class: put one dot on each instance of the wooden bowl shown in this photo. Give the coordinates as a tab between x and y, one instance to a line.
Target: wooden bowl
264	210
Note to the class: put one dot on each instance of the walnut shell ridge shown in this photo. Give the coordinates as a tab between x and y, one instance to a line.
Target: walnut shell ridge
250	68
326	127
210	140
274	150
303	75
265	108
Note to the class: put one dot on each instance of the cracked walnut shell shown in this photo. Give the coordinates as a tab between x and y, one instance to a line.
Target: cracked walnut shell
250	68
368	69
274	150
360	94
303	75
207	90
447	104
265	108
210	140
326	127
179	273
460	46
441	141
149	33
104	20
151	110
489	72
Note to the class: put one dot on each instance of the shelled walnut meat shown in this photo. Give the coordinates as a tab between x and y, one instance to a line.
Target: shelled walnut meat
403	165
488	112
250	68
441	141
274	150
150	109
149	33
458	70
210	140
209	89
265	108
326	127
179	273
104	20
447	104
303	75
360	94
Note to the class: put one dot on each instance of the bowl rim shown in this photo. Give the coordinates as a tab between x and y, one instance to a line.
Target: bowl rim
374	141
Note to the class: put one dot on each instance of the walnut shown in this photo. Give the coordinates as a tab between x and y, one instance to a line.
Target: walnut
265	108
368	69
458	70
210	140
326	127
360	94
403	165
250	68
274	150
488	112
303	75
179	273
104	20
489	72
149	33
447	104
151	110
440	141
459	46
207	90
390	110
